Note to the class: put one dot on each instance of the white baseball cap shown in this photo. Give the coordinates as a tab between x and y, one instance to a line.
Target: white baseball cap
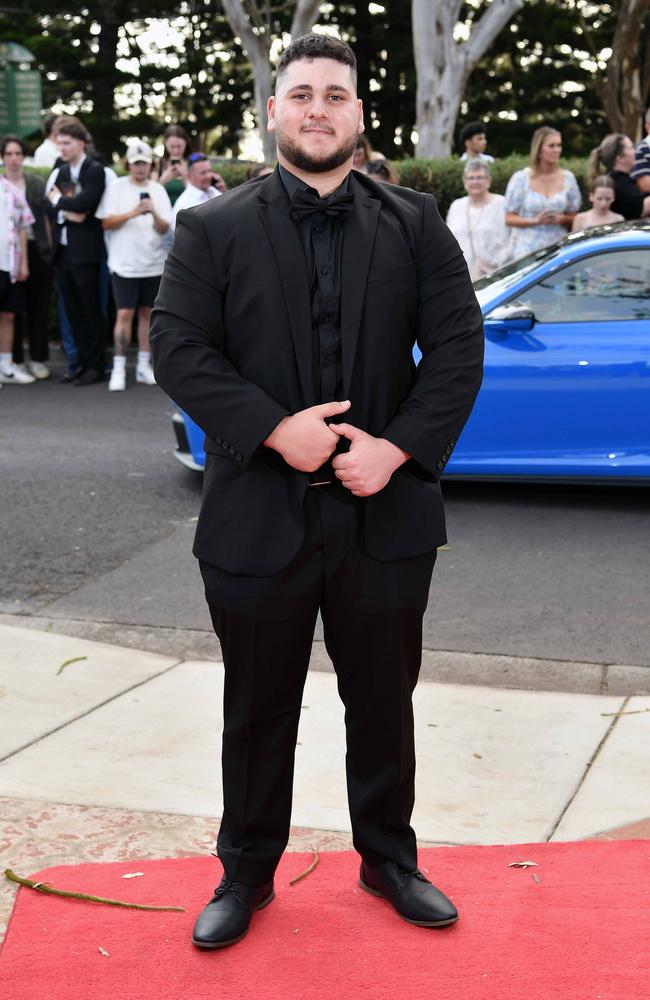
139	152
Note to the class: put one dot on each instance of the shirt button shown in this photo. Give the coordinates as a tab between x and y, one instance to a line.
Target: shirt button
324	270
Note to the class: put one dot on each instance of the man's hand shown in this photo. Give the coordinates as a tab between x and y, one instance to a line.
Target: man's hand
367	467
54	195
304	440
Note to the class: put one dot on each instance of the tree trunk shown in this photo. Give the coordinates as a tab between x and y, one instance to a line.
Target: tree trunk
443	65
257	46
621	90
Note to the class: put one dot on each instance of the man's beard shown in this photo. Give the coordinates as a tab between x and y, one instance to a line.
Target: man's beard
297	157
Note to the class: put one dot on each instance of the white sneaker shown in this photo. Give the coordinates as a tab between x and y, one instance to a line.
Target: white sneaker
145	375
39	370
16	374
117	381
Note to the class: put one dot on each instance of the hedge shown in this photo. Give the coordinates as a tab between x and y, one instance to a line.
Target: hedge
441	178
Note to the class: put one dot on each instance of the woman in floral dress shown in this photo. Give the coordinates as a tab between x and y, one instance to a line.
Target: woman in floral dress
542	199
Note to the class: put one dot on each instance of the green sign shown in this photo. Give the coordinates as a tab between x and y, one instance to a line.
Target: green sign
21	95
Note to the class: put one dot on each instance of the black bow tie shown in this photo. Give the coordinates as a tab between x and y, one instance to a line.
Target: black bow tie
306	202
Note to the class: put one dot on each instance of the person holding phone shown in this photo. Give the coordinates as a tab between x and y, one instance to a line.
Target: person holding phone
171	169
203	184
135	213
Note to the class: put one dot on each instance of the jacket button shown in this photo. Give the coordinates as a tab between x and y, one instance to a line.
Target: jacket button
224	444
441	465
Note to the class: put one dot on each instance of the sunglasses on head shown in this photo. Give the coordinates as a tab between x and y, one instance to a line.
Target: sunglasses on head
197	157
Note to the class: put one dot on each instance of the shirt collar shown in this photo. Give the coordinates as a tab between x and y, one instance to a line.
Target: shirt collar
200	193
293	183
76	169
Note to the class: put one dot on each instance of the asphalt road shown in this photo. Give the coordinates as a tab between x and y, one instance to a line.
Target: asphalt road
98	519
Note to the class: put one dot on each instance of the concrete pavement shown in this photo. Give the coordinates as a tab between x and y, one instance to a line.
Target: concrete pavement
109	753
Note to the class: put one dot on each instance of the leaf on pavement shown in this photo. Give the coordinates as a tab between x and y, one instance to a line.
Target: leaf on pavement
522	864
102	951
66	663
132	875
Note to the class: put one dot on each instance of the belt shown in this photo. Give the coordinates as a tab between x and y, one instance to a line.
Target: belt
317	480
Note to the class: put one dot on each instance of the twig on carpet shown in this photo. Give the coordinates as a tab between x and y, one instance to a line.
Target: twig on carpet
85	897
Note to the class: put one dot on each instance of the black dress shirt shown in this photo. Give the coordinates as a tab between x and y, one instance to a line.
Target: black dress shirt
322	238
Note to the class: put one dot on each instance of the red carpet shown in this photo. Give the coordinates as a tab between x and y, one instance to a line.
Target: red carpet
581	933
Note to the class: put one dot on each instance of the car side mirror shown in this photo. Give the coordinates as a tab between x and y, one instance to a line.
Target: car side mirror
509	319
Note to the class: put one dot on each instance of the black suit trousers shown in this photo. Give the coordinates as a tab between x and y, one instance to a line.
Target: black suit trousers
79	284
372	617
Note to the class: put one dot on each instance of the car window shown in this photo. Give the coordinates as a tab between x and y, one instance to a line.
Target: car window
607	286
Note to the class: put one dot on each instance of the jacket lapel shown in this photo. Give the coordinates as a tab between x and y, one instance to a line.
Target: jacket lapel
358	242
273	207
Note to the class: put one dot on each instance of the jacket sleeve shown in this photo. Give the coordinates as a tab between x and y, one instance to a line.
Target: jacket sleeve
450	336
90	195
187	341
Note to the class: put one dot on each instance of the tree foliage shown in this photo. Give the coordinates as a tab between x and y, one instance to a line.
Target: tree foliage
128	72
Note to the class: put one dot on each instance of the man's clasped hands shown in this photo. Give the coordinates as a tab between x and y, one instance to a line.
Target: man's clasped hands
306	441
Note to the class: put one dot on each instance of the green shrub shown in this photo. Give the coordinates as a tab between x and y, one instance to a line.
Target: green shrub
444	178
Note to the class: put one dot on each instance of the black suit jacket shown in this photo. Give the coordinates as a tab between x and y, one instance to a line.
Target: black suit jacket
85	239
231	343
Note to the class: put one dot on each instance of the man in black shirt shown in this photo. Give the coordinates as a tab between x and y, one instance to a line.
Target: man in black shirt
302	512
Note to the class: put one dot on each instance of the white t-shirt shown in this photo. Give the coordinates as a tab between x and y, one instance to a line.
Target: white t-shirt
192	196
46	154
478	156
135	250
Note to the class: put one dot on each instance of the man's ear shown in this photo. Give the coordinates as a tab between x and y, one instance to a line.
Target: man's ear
270	114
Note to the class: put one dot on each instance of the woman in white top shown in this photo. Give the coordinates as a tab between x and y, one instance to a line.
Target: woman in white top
478	221
541	199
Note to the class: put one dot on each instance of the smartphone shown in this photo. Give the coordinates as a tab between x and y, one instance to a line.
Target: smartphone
174	163
143	195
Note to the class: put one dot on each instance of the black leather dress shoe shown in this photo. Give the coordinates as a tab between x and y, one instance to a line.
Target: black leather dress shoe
89	377
226	918
411	894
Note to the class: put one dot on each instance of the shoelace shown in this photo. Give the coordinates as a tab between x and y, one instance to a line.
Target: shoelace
227	885
416	872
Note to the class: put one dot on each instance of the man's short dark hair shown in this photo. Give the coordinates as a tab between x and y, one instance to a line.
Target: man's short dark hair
74	129
317	47
471	129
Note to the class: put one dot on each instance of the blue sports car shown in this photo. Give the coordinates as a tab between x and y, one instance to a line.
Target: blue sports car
566	392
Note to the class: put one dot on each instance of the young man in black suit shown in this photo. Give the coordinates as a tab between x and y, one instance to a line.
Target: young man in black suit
74	191
324	450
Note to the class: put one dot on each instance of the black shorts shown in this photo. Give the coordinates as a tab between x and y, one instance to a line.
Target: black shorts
12	297
130	293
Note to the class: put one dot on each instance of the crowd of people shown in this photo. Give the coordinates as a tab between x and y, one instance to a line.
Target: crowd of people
101	241
542	201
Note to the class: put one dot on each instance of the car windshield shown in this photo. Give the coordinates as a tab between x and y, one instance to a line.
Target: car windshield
499	281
